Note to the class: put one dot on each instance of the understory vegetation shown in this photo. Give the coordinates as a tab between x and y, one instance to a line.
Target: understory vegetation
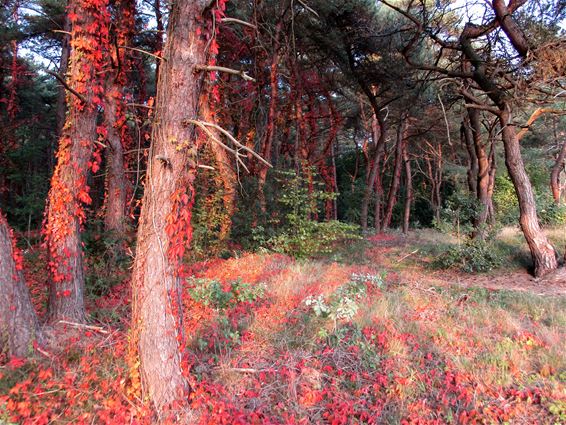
274	340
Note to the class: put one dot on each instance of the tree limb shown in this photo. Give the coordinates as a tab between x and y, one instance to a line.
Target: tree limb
67	87
242	74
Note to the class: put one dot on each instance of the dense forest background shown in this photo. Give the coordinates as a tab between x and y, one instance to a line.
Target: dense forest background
139	138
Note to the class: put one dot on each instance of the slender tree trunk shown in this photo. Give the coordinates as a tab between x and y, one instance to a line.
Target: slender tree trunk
543	253
158	36
19	327
165	221
482	183
397	170
69	191
555	174
408	190
491	186
267	143
378	207
378	125
226	172
117	79
468	142
116	181
63	67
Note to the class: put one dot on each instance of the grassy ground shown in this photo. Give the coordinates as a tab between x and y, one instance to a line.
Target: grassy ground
273	340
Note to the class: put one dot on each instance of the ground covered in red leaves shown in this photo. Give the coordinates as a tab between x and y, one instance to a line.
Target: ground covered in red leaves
277	341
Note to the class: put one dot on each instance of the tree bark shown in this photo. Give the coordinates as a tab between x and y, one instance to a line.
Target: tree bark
226	172
165	221
117	79
19	327
267	142
555	174
482	182
408	190
381	126
69	191
116	181
397	170
468	142
543	253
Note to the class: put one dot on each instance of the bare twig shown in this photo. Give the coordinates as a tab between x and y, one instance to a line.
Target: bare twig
67	87
143	51
242	74
238	21
204	124
89	327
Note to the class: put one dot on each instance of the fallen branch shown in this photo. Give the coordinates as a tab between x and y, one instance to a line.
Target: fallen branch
89	327
408	255
242	74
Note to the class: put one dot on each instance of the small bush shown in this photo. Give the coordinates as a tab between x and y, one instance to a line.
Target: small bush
220	296
471	257
107	263
298	234
343	304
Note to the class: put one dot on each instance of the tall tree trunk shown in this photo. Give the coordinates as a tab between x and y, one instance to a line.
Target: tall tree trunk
61	107
555	174
117	79
226	172
19	327
491	186
267	142
378	125
397	170
158	36
116	181
468	142
482	184
543	253
408	190
69	191
165	221
378	207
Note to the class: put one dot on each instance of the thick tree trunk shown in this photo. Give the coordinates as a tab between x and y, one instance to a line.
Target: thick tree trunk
378	125
69	191
555	174
19	327
165	228
397	170
543	253
408	191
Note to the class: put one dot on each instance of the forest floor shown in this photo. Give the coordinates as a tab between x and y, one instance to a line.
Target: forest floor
369	334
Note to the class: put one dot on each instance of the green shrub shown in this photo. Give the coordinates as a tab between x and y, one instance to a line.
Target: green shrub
107	262
343	303
296	232
220	296
473	256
